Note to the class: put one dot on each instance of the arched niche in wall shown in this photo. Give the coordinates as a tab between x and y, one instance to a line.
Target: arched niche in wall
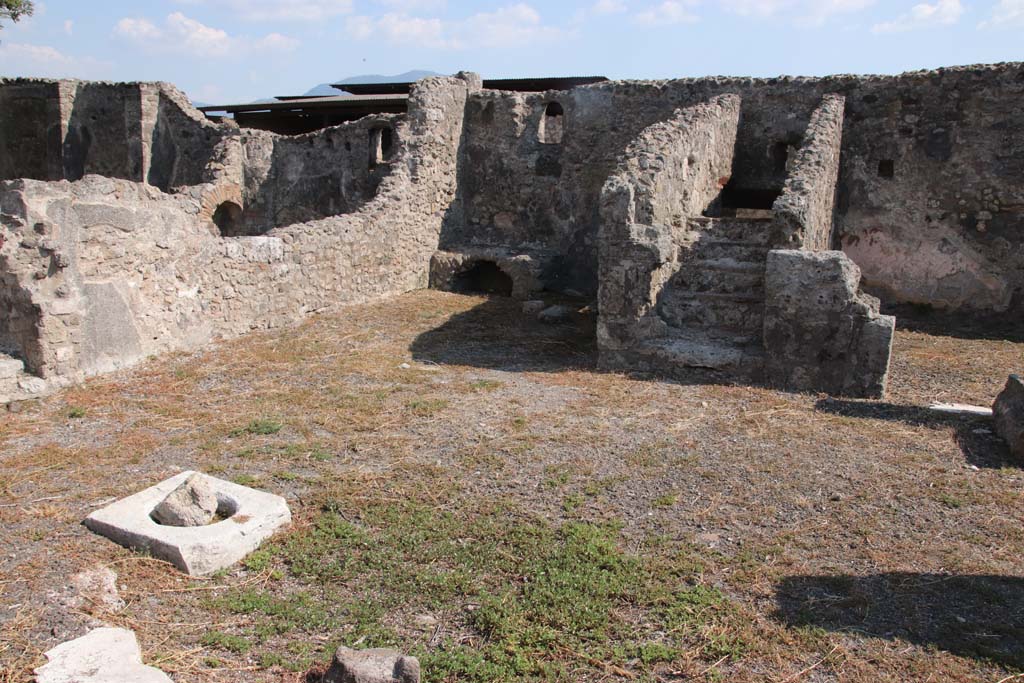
228	219
551	124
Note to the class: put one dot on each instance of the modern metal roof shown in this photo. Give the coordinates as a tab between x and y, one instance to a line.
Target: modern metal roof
377	102
518	84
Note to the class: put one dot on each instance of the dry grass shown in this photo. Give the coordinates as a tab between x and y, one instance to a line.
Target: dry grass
848	539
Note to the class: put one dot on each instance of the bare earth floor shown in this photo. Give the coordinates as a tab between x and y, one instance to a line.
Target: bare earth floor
505	511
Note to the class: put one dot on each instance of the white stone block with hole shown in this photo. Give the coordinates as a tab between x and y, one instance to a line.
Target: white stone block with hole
248	517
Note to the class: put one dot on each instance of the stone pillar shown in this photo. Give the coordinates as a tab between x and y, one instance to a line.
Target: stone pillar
820	332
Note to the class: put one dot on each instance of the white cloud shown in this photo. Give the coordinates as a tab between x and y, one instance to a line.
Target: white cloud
182	35
1007	14
667	13
43	61
69	27
804	12
414	5
924	15
279	10
510	26
608	7
600	8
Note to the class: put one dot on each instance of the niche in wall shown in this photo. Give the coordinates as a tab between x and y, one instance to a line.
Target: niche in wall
382	145
551	124
228	219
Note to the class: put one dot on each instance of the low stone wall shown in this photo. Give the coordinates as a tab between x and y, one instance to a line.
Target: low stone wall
670	173
820	332
803	215
104	272
295	179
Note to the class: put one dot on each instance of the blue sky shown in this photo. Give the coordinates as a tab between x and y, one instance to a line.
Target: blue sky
239	50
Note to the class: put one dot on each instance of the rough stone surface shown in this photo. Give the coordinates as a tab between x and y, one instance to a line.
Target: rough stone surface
372	666
194	503
820	332
252	516
104	655
803	214
1008	412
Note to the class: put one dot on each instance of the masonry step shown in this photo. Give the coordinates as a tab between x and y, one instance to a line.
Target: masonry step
752	230
714	249
739	313
724	276
698	351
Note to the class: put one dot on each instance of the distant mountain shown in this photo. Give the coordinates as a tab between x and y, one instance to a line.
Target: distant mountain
326	89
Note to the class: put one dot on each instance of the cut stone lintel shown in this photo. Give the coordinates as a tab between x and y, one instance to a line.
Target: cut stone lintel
252	517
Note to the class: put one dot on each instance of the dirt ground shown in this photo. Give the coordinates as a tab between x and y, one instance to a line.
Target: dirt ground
465	485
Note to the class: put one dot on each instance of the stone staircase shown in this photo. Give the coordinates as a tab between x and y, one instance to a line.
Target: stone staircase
714	304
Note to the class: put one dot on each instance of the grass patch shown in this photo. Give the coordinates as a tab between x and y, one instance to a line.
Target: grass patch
224	641
534	601
261	427
76	413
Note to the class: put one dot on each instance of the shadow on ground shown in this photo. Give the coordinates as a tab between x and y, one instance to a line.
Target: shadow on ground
1008	327
971	616
497	335
974	435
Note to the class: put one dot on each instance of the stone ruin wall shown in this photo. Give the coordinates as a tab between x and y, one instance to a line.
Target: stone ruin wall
939	225
803	213
102	272
749	297
928	199
668	175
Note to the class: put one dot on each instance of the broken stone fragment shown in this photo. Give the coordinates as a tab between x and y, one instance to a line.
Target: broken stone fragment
1008	413
96	587
192	504
555	314
372	666
104	655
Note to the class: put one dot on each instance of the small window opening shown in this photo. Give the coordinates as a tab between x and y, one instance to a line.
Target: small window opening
484	277
381	145
228	219
887	169
551	124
